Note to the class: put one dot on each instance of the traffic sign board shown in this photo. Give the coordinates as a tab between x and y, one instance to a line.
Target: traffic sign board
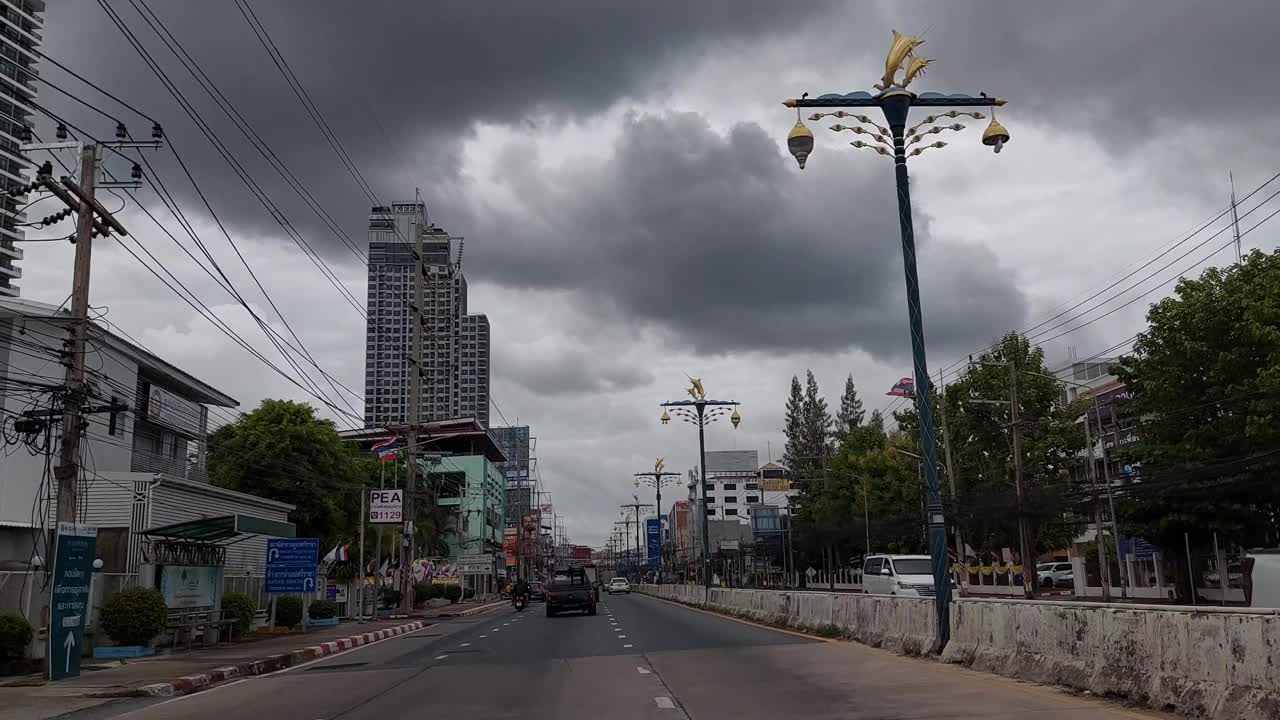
386	506
290	578
293	551
72	570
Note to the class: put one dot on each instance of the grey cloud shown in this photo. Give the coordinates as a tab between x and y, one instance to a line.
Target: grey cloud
715	238
401	83
569	370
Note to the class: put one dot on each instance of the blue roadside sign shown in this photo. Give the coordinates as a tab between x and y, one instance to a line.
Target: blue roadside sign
293	551
291	565
73	558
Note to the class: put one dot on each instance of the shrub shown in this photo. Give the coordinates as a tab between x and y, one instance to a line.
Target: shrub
322	609
437	590
241	608
453	593
469	593
134	616
288	610
421	593
15	635
391	597
830	631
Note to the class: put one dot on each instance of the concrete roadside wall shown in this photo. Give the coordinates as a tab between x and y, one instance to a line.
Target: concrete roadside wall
904	625
1204	662
1215	663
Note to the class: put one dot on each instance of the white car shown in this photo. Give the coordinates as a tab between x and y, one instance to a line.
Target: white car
619	585
1055	574
909	575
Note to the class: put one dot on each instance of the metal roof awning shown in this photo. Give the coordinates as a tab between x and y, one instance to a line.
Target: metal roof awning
224	529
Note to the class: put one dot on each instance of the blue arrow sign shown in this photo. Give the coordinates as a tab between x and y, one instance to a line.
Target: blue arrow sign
290	578
72	570
293	551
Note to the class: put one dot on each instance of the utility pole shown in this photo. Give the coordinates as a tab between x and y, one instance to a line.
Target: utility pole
67	472
415	419
1029	587
1104	569
951	470
636	506
1111	498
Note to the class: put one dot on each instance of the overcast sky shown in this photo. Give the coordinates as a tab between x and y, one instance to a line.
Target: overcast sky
631	215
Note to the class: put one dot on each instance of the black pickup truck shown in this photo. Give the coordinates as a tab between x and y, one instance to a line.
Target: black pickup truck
570	589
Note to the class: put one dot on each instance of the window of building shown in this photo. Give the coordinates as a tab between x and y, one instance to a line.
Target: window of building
730	486
711	511
731	511
731	499
753	499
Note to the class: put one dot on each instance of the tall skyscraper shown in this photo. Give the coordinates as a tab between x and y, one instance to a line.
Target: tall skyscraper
20	26
455	350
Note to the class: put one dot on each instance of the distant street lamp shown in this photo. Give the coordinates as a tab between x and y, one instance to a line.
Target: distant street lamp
896	141
701	412
656	479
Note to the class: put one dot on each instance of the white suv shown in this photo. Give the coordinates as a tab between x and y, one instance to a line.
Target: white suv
909	575
619	585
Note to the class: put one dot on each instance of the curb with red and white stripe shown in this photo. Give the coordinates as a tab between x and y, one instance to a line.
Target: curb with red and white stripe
271	663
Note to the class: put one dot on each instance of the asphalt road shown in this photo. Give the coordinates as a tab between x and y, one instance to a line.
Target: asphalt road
639	658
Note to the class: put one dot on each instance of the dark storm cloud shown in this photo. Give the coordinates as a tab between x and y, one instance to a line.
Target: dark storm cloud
714	236
1117	68
402	83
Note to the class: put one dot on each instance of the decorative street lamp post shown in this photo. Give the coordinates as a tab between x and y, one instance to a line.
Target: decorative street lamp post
701	412
896	141
656	479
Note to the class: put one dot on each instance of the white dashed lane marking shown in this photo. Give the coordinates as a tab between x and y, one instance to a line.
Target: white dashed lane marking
644	671
465	645
664	703
441	657
626	646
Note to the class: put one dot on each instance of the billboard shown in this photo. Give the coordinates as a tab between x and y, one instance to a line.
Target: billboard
581	552
653	538
176	413
514	443
510	545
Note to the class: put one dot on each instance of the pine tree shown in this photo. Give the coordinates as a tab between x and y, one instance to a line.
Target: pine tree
815	428
877	420
851	413
793	424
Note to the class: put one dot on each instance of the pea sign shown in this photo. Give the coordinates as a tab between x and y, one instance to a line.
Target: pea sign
386	506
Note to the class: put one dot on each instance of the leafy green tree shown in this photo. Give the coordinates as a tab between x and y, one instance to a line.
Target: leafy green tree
982	452
1052	440
1205	379
283	451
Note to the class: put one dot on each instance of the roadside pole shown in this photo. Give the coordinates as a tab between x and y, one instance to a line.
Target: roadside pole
67	471
364	519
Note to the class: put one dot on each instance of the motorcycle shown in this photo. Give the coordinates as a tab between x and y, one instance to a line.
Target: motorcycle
520	602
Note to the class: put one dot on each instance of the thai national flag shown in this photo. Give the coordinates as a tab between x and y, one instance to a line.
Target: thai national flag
385	443
905	388
386	450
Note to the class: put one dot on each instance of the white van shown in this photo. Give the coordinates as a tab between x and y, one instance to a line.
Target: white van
909	575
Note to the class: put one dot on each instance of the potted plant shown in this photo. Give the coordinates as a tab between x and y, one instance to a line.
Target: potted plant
288	611
132	618
390	598
240	609
322	612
